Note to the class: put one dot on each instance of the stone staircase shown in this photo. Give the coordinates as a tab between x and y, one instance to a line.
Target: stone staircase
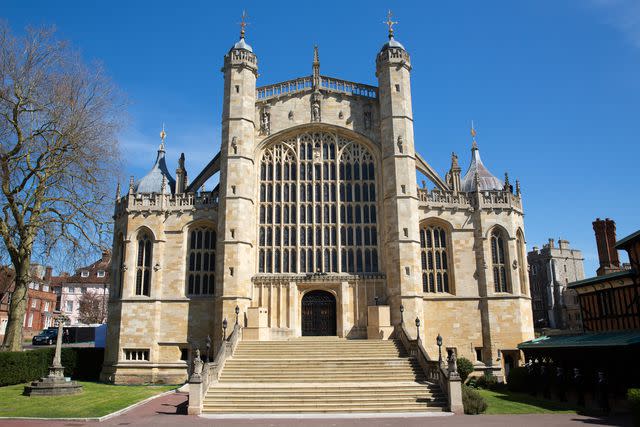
322	375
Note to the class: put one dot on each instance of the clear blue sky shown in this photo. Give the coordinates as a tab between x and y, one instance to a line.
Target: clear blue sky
552	85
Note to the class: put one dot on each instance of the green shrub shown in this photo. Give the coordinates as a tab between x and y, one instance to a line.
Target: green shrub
488	381
518	379
465	367
633	395
472	401
17	367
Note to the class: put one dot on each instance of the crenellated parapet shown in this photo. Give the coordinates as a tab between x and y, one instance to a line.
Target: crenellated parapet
165	203
486	200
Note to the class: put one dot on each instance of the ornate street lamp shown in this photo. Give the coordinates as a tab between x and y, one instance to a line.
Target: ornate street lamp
237	312
401	314
418	327
376	300
439	342
224	329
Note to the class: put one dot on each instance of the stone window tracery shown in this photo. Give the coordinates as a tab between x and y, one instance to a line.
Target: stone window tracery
317	206
521	262
202	261
434	257
143	265
119	273
498	260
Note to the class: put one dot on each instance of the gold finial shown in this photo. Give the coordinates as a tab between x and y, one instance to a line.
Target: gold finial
390	23
163	135
473	135
243	23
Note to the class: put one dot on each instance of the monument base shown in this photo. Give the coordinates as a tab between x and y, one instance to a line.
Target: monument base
55	384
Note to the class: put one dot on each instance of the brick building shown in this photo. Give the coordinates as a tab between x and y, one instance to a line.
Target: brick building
40	303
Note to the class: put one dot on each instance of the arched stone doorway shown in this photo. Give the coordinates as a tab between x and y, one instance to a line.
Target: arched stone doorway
318	314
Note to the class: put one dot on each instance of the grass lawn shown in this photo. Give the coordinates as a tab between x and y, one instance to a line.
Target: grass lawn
96	400
507	402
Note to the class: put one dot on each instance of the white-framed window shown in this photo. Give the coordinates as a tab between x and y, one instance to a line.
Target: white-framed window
84	273
30	321
71	289
46	306
45	288
34	303
69	306
100	273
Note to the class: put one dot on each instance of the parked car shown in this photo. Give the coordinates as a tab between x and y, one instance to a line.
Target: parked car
46	337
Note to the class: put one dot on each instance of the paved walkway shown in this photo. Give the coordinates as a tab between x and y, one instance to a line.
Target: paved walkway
170	410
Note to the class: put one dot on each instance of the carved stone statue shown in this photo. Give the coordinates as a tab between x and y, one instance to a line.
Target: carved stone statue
453	362
400	144
315	110
197	363
266	122
367	120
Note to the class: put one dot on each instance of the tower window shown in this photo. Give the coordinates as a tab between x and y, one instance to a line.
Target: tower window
143	266
498	260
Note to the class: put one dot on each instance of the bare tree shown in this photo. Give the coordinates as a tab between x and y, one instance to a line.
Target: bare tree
93	307
58	155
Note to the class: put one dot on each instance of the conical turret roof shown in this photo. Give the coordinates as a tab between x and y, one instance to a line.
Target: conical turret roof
486	180
152	182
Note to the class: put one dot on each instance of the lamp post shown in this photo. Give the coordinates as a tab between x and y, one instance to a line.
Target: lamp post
401	314
237	312
418	328
376	300
439	342
224	329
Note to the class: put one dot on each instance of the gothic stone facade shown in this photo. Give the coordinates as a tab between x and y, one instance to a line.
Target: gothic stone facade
317	192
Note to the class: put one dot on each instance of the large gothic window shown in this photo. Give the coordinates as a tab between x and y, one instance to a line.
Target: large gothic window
498	260
434	257
521	262
202	261
119	272
318	210
143	265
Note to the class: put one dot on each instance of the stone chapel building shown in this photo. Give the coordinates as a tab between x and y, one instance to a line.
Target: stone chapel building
317	215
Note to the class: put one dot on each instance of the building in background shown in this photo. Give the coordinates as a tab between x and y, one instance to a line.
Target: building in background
551	269
610	301
40	300
71	289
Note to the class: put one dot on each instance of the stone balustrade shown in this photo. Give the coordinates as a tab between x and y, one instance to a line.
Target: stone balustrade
438	199
303	84
165	202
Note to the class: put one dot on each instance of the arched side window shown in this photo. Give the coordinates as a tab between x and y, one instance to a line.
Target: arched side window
143	266
317	206
119	273
521	263
498	262
202	261
434	256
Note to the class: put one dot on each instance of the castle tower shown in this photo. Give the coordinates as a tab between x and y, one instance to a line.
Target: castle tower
400	203
236	218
